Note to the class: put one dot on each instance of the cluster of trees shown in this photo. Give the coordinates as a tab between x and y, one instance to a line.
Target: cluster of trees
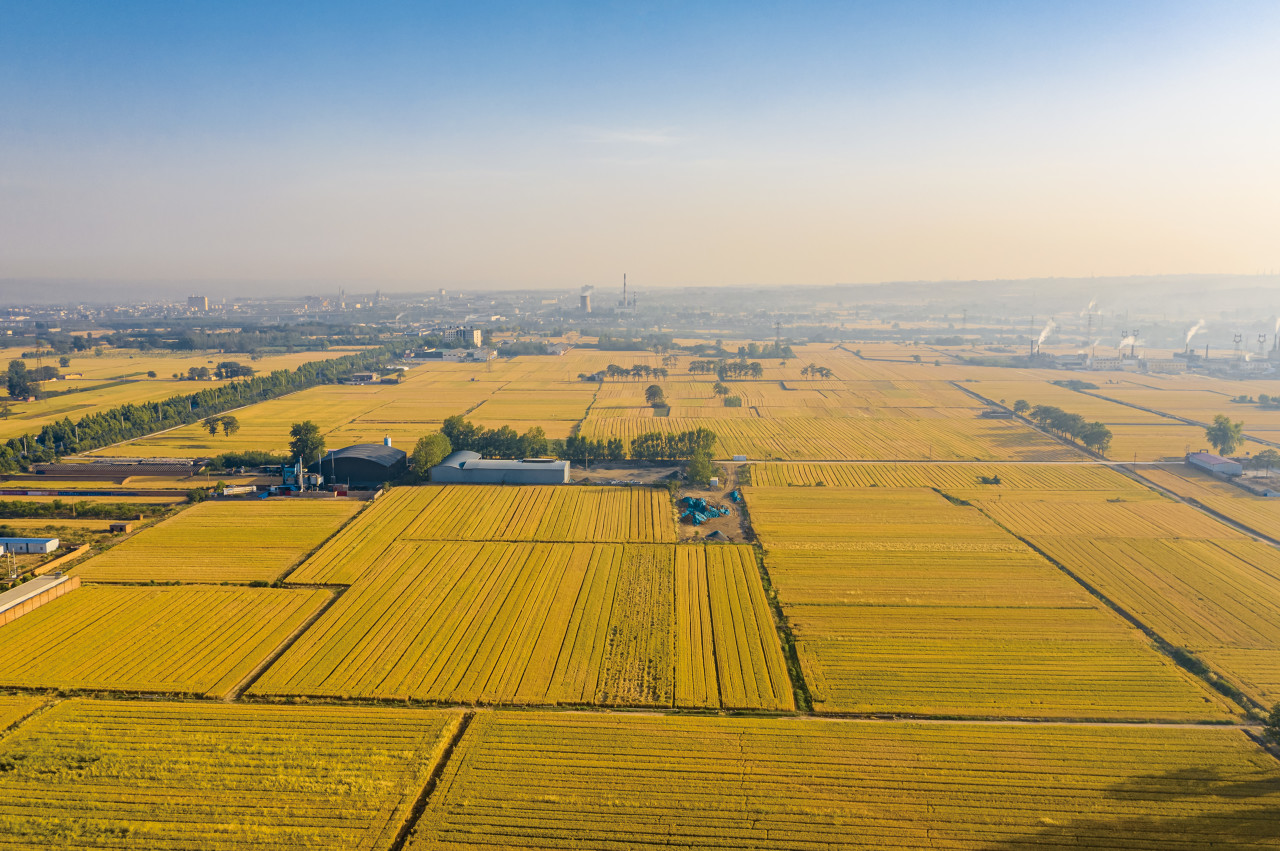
25	382
726	369
125	422
1076	384
672	446
82	508
1094	435
815	371
502	442
229	425
1225	436
1267	459
768	350
307	336
654	396
1263	399
457	433
649	342
637	371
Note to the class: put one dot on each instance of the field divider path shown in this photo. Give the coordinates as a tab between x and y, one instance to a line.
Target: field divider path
433	780
1175	417
253	676
1166	647
1021	419
1192	502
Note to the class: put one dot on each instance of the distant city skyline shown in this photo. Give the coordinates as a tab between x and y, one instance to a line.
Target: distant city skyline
555	144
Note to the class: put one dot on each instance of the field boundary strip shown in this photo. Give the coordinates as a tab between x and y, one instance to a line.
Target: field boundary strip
252	677
1164	646
423	799
1192	502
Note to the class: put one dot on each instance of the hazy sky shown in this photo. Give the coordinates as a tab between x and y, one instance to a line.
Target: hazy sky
419	144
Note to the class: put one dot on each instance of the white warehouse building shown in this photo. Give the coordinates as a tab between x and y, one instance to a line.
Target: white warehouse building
464	467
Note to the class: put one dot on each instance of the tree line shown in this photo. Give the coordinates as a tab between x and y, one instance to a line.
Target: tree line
1095	435
126	422
726	369
457	433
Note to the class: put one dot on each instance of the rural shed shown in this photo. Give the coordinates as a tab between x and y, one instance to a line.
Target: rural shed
363	466
1215	464
463	467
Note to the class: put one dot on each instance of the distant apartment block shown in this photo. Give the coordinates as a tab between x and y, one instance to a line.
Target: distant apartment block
198	302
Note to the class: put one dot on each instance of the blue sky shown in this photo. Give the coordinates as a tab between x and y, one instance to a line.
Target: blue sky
554	144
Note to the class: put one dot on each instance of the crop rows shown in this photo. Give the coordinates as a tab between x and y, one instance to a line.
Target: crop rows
982	661
1089	517
185	640
106	774
1198	594
15	707
567	781
483	512
901	601
234	541
547	513
879	438
1257	512
546	623
949	477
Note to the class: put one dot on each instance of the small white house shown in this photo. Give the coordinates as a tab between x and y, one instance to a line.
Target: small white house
29	545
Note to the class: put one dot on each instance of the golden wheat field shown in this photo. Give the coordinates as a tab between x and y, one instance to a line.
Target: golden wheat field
571	780
948	477
147	774
224	541
1256	512
901	601
193	640
490	513
15	707
607	624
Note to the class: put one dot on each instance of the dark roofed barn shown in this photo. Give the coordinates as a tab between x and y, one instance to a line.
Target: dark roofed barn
365	465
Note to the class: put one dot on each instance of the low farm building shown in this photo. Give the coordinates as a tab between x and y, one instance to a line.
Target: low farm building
463	467
29	545
1211	463
18	601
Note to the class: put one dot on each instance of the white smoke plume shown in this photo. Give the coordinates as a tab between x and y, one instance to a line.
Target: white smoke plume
1195	329
1048	329
1093	304
1127	341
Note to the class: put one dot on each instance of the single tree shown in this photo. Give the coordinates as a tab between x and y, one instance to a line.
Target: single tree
429	451
211	425
654	396
230	425
1272	728
1267	459
64	361
701	468
1021	406
720	388
19	379
1225	436
305	441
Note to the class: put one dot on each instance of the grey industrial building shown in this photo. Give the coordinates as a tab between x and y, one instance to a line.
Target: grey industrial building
463	467
363	466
